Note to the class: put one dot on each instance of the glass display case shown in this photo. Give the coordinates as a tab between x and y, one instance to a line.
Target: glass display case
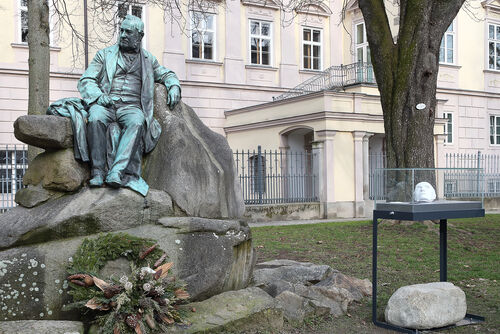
428	189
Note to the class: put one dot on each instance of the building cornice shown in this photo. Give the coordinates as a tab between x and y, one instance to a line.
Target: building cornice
261	3
314	8
53	74
491	6
299	98
323	115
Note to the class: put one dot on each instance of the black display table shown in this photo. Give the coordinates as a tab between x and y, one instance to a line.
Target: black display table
442	210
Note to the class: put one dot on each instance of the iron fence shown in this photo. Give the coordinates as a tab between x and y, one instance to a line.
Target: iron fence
489	163
333	78
376	161
269	177
13	165
456	184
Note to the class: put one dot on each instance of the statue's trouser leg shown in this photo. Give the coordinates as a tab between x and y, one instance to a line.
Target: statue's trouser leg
132	121
98	121
113	133
134	167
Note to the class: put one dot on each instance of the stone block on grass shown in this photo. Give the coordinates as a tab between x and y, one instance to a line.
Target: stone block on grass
234	312
359	288
289	271
426	306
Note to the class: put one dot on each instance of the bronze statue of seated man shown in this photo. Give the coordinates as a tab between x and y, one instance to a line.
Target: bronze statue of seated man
118	87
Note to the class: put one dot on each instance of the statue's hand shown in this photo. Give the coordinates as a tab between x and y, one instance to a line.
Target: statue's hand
174	96
105	101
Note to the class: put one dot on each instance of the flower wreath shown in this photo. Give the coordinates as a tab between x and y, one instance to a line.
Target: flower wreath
146	301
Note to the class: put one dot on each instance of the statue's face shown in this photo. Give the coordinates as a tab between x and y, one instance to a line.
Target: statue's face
130	38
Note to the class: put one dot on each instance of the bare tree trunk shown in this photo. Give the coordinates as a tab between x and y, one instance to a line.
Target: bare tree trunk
406	73
39	61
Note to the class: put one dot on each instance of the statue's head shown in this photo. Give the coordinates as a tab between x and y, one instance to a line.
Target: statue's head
131	33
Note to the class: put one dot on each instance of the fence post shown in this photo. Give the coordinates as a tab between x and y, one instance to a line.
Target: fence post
478	170
259	173
342	74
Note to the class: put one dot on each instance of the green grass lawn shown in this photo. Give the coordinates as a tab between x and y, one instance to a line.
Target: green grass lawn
408	254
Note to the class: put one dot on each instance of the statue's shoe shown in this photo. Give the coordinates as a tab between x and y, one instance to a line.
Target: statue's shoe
114	180
96	181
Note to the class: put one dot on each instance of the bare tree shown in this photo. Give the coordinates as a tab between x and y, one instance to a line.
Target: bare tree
406	70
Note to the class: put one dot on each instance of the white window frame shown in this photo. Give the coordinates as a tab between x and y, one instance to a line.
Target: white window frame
496	42
448	127
311	43
444	45
129	9
494	135
259	36
202	32
364	45
21	9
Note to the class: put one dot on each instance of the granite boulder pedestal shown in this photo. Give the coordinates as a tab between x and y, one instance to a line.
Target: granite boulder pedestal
191	210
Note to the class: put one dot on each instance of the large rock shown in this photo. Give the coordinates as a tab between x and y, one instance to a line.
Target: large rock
57	170
44	131
41	327
296	308
193	164
424	306
210	256
359	288
290	271
217	255
239	311
336	300
35	195
87	212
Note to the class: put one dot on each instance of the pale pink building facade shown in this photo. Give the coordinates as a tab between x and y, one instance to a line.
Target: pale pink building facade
241	55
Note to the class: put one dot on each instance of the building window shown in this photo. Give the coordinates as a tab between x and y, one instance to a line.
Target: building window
446	51
202	36
260	42
494	47
125	9
448	127
23	22
495	130
311	48
23	14
13	164
361	44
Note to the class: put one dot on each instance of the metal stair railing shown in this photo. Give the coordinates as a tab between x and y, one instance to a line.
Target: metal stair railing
333	78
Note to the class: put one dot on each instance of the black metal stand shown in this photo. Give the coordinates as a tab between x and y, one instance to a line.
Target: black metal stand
419	215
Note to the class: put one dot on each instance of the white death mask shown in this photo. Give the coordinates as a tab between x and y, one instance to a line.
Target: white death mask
424	192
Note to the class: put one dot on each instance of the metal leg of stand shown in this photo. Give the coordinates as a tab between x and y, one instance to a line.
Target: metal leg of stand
443	250
374	269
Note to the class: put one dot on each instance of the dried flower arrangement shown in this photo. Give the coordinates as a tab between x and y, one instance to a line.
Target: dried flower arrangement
146	301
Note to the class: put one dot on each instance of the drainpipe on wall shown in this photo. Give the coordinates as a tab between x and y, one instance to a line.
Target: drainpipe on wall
85	33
